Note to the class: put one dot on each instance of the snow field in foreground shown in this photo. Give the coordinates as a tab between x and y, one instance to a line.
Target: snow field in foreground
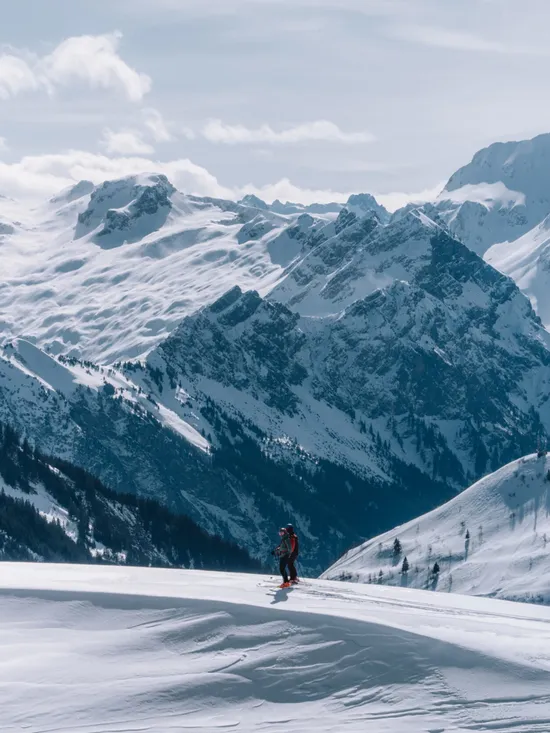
112	649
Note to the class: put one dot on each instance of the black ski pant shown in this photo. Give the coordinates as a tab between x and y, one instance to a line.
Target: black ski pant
287	561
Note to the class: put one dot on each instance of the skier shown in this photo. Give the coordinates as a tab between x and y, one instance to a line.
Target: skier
283	551
295	544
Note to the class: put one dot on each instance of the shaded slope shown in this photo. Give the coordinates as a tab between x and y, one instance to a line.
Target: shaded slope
52	510
490	540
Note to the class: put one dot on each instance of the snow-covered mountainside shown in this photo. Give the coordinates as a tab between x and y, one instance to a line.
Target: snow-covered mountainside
236	479
527	261
50	510
320	348
443	364
106	272
491	540
500	195
499	206
251	414
118	649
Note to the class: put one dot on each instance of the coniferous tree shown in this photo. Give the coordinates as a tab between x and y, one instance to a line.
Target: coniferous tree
405	566
132	529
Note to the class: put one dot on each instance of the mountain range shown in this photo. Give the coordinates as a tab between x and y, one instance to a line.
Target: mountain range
250	364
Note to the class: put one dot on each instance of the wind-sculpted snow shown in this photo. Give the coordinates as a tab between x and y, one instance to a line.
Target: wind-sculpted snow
105	272
119	649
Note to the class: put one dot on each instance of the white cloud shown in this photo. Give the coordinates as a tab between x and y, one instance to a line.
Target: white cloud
156	125
222	7
397	199
188	133
459	40
38	177
15	76
92	60
217	131
125	142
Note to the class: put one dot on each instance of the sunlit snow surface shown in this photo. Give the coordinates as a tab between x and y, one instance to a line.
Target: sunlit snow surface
493	539
117	650
105	296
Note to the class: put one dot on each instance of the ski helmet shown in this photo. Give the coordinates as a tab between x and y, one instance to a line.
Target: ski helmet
282	531
290	529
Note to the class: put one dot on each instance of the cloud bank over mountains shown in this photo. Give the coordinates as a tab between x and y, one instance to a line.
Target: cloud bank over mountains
90	60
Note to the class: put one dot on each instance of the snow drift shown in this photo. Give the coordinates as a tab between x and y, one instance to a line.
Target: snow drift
120	649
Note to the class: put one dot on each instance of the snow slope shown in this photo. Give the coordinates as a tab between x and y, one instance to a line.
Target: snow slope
500	195
491	540
527	261
499	205
401	394
113	650
105	272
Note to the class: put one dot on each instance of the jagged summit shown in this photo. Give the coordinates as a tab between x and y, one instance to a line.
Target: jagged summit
364	203
126	210
254	201
354	256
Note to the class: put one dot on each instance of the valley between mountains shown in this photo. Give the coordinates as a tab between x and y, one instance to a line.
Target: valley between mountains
245	363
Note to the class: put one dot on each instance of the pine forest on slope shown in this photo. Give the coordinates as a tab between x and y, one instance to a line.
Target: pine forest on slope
53	511
381	354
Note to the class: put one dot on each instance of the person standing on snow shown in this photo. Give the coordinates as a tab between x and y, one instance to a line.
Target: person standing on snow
287	552
295	549
283	551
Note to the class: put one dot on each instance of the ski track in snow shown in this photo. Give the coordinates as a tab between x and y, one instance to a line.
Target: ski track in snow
119	650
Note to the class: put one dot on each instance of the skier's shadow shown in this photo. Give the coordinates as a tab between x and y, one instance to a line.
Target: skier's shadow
280	595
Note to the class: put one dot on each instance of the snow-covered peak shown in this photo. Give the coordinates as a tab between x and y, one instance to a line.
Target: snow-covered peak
253	201
490	540
500	195
127	209
352	258
136	256
521	166
361	204
72	193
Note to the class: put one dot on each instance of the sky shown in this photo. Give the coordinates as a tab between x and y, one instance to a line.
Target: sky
304	100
